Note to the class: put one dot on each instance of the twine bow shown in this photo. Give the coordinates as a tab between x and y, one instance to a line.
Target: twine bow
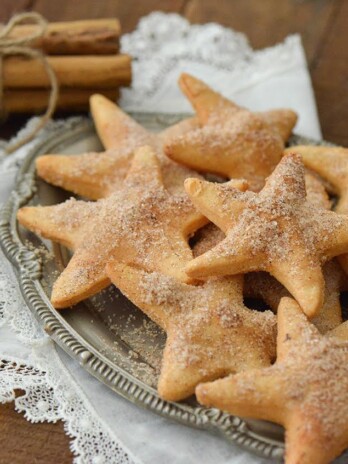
23	46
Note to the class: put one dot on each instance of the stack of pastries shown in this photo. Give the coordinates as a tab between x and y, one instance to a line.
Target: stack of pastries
187	251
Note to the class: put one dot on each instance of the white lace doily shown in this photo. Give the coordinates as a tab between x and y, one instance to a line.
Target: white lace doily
103	427
29	361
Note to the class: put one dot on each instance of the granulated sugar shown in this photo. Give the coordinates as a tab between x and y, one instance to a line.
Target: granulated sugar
278	223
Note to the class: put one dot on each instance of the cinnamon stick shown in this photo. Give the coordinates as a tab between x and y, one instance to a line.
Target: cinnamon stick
86	37
89	71
35	101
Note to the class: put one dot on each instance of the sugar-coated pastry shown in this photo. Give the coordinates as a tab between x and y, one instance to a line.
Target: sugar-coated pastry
210	333
331	163
180	128
306	390
178	246
316	192
143	224
264	286
210	235
231	141
277	231
97	175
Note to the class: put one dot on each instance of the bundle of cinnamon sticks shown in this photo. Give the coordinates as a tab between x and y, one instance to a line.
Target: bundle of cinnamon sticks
84	56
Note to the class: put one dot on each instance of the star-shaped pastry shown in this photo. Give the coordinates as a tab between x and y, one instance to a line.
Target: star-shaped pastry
262	285
143	224
210	333
331	163
277	231
97	175
210	235
265	287
306	390
231	141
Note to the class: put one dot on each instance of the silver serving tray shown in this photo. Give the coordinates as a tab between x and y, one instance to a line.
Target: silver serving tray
107	335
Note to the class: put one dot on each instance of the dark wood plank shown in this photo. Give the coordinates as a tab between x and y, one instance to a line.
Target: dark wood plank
24	443
128	11
267	22
10	7
322	25
330	77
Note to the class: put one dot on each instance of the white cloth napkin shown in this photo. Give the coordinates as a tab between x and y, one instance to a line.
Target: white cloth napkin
167	45
105	427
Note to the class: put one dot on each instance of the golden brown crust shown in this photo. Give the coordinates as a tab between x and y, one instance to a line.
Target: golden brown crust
136	236
210	333
305	390
142	224
331	163
264	286
231	141
98	175
277	231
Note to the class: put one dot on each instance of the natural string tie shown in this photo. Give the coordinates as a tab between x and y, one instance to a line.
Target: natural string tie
23	46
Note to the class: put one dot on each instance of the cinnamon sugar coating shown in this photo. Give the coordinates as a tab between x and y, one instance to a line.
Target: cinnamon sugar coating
331	163
231	141
210	235
267	288
277	231
210	333
316	192
136	236
264	286
306	390
98	175
142	224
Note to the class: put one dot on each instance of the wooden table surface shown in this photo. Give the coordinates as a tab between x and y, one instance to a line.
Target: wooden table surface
323	26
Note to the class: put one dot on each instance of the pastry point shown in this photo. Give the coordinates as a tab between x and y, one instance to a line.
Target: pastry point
112	124
91	175
209	198
284	120
264	286
202	97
